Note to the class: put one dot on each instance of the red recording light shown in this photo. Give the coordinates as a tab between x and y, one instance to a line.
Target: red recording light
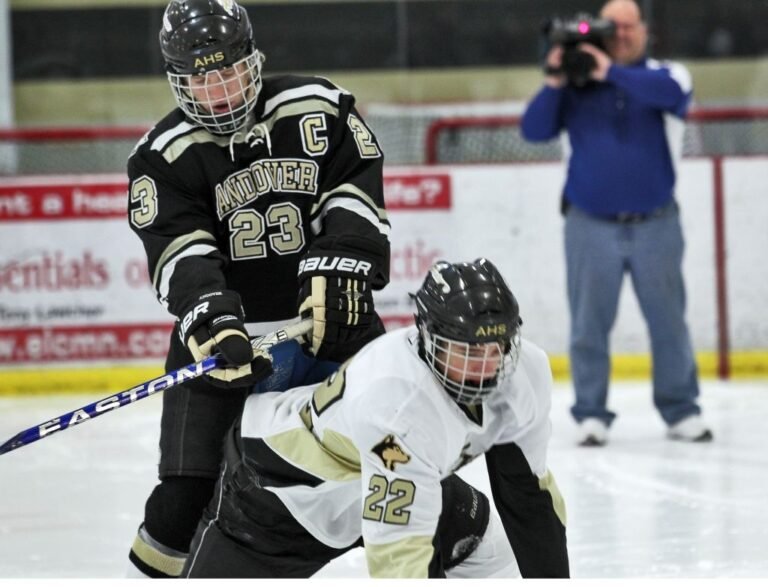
583	27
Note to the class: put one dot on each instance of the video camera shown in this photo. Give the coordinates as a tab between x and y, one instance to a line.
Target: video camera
583	28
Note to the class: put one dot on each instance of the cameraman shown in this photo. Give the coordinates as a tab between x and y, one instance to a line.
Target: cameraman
625	129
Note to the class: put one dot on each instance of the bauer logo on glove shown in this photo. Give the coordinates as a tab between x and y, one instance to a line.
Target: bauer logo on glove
334	265
336	293
214	323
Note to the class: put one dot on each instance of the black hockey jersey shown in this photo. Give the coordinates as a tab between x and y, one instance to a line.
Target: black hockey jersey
240	211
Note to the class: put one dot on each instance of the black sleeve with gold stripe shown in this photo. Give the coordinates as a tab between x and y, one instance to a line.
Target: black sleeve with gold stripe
350	253
349	213
532	511
176	225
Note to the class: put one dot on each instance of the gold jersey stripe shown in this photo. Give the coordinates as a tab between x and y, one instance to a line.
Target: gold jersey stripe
302	107
176	245
547	483
342	447
409	557
348	188
177	147
300	448
165	563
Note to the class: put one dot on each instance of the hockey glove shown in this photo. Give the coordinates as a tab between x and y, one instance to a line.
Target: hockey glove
214	323
335	292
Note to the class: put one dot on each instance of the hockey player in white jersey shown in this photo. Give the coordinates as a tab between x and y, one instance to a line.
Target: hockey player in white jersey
368	456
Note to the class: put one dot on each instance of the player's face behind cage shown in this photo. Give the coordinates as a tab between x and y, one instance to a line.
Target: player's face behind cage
220	100
470	372
469	323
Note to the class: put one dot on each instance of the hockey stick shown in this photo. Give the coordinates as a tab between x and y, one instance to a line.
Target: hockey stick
134	394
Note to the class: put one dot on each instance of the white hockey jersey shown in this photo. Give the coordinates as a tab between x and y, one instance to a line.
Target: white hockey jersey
378	437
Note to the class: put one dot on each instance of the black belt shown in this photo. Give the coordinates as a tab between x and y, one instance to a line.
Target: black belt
637	217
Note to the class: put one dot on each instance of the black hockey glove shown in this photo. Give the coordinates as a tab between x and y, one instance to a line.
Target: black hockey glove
214	323
335	291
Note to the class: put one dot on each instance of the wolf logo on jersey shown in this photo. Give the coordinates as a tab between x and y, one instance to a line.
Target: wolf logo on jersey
390	452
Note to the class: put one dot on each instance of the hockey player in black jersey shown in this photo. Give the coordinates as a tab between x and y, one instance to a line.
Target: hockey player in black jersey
258	201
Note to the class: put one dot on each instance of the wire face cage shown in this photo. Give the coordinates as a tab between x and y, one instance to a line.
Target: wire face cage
220	100
470	372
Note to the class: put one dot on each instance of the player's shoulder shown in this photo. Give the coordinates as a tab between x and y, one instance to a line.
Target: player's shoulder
171	128
534	371
389	371
393	348
279	90
275	84
533	355
393	390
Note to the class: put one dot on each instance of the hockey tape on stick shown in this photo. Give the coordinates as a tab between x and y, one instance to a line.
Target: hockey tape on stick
134	394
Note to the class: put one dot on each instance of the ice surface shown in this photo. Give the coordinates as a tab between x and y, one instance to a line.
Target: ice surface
643	506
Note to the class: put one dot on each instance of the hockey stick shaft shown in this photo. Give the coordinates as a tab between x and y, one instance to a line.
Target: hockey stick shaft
134	394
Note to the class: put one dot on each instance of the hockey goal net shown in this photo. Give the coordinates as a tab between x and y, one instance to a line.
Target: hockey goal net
709	132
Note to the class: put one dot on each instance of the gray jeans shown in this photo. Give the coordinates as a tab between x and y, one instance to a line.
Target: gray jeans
598	253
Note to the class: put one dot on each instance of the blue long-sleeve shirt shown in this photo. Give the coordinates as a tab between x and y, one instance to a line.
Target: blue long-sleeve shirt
625	135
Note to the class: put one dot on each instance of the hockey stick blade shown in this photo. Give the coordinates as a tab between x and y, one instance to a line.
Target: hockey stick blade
134	394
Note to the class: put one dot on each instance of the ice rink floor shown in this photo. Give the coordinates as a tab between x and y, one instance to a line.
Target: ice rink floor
643	506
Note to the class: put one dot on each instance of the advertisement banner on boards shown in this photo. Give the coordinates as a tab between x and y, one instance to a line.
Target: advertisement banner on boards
74	285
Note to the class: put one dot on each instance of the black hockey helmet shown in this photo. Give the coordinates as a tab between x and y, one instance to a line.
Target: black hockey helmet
467	302
211	62
201	35
464	305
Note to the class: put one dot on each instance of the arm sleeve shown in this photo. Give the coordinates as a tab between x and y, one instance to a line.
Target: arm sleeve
532	512
349	214
177	230
668	88
524	491
542	119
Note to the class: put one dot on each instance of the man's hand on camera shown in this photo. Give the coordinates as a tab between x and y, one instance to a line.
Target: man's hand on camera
602	61
555	62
